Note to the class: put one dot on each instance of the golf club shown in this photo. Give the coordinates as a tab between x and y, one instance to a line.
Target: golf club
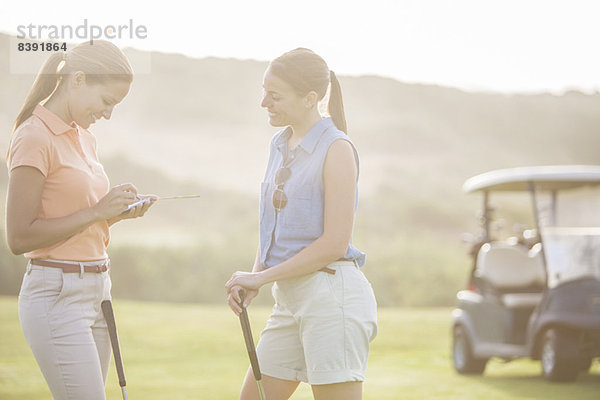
250	346
109	316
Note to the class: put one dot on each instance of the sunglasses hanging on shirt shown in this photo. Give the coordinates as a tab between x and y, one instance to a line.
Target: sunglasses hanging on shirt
279	198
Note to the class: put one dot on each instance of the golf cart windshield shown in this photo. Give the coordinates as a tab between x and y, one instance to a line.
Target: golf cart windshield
570	228
567	206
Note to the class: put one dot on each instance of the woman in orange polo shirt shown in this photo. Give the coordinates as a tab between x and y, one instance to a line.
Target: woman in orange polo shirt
59	210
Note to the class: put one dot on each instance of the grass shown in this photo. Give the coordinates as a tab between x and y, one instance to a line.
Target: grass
191	351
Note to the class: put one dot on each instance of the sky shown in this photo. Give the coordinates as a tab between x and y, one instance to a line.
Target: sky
508	46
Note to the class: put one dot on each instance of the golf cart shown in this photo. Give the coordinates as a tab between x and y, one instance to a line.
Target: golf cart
537	294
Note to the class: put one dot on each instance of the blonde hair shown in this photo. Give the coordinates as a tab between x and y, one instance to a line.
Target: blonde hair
100	61
306	71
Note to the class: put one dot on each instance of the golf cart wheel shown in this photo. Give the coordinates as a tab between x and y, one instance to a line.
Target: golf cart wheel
560	359
462	354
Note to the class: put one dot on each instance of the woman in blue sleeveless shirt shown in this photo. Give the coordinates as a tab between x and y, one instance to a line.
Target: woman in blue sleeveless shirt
325	314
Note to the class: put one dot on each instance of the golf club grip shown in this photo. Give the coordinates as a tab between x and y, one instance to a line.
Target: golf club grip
249	340
109	316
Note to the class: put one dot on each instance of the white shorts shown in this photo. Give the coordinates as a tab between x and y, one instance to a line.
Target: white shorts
320	328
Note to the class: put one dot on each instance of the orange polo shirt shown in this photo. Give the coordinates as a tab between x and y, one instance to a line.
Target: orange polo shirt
75	179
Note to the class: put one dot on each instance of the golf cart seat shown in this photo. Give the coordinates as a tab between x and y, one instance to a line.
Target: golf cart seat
514	272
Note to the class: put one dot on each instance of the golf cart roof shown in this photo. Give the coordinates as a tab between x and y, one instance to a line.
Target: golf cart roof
552	177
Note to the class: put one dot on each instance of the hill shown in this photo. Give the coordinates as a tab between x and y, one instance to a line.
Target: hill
196	125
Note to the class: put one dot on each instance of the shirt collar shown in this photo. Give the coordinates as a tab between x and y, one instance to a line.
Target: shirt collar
52	121
309	142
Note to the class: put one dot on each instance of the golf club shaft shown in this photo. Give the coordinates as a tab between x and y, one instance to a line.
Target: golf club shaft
250	346
261	391
109	316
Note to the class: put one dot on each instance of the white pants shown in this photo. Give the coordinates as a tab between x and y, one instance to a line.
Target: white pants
62	321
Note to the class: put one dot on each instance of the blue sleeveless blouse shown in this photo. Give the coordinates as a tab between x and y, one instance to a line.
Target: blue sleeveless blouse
286	232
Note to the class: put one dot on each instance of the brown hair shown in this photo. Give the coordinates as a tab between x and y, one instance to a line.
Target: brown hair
304	70
100	61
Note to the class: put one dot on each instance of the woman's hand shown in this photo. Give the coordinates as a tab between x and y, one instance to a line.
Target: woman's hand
140	209
115	202
247	280
234	298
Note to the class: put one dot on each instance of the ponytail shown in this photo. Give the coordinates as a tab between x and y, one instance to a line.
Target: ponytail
45	83
335	107
100	61
304	70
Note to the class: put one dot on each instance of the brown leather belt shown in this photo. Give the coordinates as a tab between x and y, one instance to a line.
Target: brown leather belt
332	271
73	267
328	270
